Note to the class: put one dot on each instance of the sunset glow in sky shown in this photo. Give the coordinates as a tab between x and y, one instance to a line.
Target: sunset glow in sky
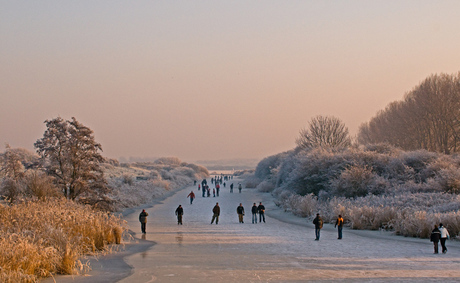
213	79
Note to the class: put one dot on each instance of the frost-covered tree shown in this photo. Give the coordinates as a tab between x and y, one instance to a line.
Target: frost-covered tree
324	132
70	154
13	171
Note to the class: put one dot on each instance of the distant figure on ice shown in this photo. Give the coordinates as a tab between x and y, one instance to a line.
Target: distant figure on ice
191	195
339	225
444	236
240	212
214	192
254	213
231	187
435	236
240	187
198	186
194	182
209	190
179	213
261	211
143	220
318	221
215	213
217	189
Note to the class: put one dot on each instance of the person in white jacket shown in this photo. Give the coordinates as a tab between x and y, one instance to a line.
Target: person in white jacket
444	236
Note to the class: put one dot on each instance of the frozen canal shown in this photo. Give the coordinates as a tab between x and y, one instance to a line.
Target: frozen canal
281	250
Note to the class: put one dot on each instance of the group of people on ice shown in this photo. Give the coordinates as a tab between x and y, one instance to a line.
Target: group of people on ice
206	190
260	209
438	234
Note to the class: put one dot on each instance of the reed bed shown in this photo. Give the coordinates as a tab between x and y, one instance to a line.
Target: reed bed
42	238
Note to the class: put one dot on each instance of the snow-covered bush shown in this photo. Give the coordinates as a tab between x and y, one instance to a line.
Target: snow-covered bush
373	186
265	187
150	180
251	182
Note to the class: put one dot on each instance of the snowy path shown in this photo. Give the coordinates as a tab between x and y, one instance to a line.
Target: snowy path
277	251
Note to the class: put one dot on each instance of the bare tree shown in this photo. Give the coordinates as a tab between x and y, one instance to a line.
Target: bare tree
428	118
70	154
324	132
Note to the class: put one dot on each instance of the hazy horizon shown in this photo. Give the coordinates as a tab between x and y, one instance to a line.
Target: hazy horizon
213	80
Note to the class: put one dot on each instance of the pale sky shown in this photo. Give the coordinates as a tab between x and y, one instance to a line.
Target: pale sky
213	79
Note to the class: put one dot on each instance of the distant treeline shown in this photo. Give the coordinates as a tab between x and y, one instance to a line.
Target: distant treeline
427	118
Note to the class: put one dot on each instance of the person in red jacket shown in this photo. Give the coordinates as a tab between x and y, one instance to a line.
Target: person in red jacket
191	195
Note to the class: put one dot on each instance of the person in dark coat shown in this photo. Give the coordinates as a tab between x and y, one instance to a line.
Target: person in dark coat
143	220
254	213
240	212
435	236
339	225
318	221
261	211
179	213
231	187
215	213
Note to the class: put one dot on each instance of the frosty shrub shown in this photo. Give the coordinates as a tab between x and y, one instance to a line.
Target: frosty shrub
449	180
10	189
305	206
128	179
265	187
353	182
42	238
251	182
40	185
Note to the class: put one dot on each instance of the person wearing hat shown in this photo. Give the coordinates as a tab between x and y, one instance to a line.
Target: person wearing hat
318	221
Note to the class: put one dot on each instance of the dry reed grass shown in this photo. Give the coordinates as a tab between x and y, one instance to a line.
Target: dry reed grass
42	238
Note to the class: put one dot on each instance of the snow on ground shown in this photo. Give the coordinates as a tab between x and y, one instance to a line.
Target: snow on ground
281	250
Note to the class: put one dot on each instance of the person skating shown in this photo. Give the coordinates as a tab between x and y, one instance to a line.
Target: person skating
240	212
215	213
217	189
231	188
240	187
179	213
191	195
261	211
444	236
254	213
143	219
435	236
339	225
209	191
318	221
214	192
